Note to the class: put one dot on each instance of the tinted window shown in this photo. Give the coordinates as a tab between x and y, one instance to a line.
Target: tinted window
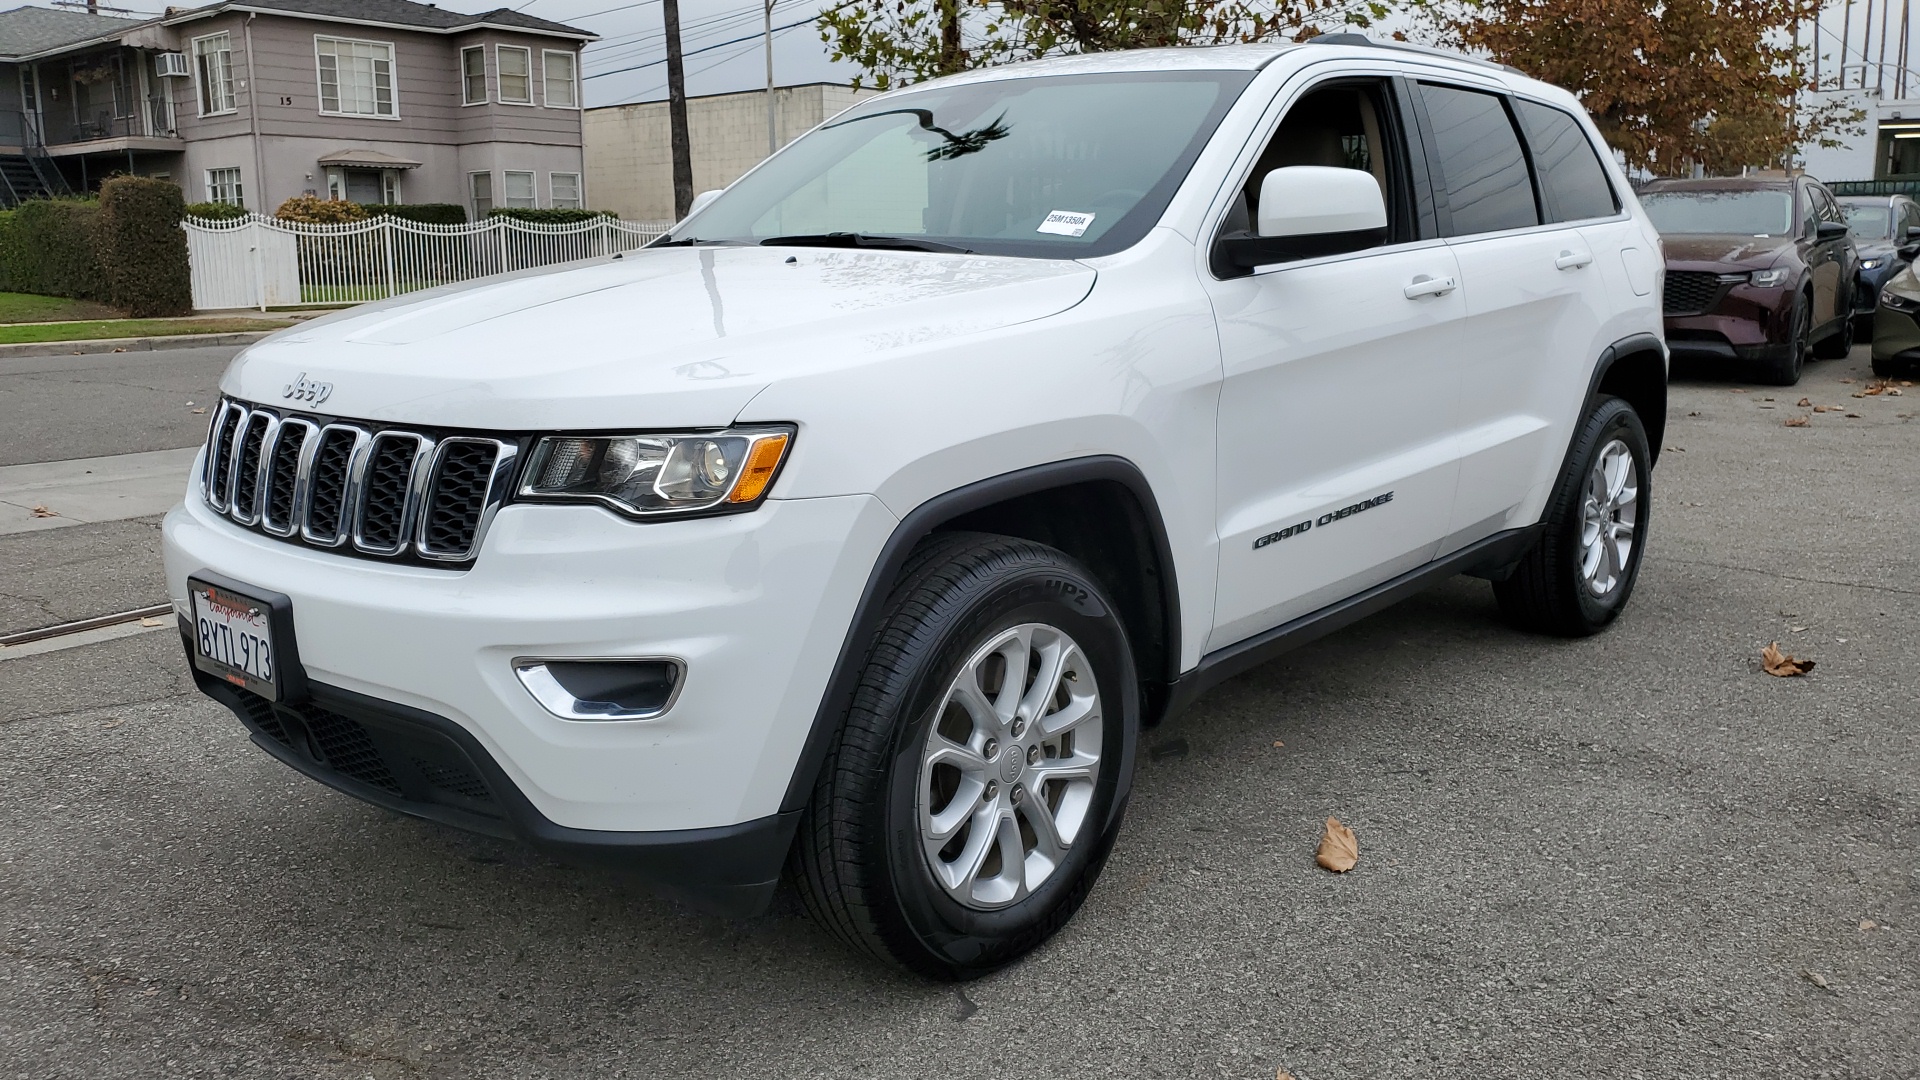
1574	181
1480	162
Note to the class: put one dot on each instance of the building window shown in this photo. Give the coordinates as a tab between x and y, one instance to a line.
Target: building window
369	187
480	187
213	73
356	77
473	75
558	68
223	186
565	189
516	74
518	190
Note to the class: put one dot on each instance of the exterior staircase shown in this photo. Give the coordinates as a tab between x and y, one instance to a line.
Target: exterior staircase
21	179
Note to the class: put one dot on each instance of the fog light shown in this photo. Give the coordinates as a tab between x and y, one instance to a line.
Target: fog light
602	689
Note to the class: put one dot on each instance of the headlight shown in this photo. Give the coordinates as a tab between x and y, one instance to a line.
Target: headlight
658	475
1767	279
1871	264
1894	300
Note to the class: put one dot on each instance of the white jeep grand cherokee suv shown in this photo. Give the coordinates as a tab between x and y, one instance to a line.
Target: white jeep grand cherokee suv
860	525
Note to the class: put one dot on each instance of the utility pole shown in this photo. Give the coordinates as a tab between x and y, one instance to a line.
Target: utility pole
766	8
677	113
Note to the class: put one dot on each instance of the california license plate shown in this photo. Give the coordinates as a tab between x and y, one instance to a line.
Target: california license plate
233	637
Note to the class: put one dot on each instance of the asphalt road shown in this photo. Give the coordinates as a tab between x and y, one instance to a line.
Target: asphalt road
1631	856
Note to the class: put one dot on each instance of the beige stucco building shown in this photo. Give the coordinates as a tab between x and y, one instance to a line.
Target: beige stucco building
629	161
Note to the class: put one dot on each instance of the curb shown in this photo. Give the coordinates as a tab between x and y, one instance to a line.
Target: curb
138	344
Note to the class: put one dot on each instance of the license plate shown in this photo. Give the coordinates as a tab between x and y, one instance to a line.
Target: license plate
233	638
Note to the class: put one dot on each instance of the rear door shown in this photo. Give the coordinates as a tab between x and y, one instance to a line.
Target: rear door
1536	301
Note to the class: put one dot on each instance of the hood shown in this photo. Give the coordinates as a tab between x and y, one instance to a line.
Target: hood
663	337
1905	283
1729	252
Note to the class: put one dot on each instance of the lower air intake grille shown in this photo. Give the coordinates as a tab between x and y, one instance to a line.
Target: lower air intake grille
1690	292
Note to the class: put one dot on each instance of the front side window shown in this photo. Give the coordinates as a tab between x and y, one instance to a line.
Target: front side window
518	191
1484	171
558	70
1572	180
516	74
356	77
1059	166
213	73
1346	125
1726	213
565	189
480	190
473	75
223	186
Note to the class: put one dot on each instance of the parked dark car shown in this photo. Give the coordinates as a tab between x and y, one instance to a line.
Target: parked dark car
1896	321
1760	271
1881	224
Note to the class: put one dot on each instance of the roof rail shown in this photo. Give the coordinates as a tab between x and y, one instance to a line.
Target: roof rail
1407	46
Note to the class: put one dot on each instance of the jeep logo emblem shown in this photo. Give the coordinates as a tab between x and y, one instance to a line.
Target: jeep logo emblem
308	390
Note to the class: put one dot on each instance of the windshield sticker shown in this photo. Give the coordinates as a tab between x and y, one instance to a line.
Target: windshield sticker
1066	223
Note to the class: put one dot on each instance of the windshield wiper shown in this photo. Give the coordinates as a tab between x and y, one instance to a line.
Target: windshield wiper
691	241
862	240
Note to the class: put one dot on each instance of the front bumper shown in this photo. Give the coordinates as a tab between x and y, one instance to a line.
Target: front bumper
756	604
1896	334
1744	322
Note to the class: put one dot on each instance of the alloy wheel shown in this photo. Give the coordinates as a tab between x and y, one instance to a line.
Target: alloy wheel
1608	515
1008	770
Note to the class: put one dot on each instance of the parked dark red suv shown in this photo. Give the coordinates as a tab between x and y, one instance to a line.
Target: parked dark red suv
1760	271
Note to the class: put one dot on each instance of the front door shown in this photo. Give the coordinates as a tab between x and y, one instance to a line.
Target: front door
1336	463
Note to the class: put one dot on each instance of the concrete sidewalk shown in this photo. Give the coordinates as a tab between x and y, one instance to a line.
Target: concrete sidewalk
86	490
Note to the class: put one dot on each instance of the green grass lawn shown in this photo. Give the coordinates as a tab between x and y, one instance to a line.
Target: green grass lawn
131	328
27	307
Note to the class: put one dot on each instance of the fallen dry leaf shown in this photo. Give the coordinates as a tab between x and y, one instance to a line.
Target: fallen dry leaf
197	411
1283	1075
1869	924
1858	393
1278	743
1819	408
1816	979
1737	390
43	512
1693	414
1846	380
1775	662
155	620
1796	629
1804	402
1853	416
1796	421
1906	382
1339	850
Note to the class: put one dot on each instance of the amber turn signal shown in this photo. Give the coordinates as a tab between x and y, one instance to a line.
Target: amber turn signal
762	461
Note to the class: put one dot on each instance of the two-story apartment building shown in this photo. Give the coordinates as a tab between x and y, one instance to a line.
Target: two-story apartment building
256	101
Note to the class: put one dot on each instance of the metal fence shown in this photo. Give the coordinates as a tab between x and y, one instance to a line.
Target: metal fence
263	262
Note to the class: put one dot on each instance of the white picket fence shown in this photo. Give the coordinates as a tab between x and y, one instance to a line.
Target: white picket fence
261	262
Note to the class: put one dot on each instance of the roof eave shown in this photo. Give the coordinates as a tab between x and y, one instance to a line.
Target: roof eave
221	9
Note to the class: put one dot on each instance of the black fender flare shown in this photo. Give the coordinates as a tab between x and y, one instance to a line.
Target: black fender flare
1634	344
921	522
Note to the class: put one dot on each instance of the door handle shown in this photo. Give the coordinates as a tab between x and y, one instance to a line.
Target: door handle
1429	286
1569	260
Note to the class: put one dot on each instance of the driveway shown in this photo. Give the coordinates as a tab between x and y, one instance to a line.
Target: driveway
1634	855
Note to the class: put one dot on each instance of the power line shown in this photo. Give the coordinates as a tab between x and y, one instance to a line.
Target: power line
706	48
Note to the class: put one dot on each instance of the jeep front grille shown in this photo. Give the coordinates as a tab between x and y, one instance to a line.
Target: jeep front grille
363	489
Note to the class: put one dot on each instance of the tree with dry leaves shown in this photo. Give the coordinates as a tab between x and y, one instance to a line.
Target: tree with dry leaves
1671	83
904	41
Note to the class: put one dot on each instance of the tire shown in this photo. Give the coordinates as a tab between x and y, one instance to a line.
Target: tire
1887	367
1837	345
1786	370
865	856
1551	590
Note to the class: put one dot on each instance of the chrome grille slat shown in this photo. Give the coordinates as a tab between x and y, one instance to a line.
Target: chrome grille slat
363	489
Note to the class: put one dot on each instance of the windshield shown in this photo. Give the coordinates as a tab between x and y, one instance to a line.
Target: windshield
1060	166
1740	213
1869	222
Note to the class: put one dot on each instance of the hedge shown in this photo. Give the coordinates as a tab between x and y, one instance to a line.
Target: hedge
424	213
126	248
215	211
315	210
141	248
548	215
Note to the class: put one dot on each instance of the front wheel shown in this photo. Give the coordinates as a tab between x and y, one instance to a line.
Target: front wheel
1785	369
980	777
1577	578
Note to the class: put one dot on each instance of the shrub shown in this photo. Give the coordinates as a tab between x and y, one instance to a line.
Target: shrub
140	247
48	249
424	213
315	210
548	215
215	211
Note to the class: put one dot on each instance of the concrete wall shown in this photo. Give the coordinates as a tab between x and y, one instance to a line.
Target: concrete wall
629	161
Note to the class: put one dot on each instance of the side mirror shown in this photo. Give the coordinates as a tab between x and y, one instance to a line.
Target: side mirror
701	201
1308	211
1830	230
1913	233
1909	252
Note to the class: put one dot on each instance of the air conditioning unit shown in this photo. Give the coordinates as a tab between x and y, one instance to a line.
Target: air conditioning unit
170	64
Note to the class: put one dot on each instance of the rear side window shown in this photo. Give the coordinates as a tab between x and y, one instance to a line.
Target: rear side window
1482	168
1573	183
